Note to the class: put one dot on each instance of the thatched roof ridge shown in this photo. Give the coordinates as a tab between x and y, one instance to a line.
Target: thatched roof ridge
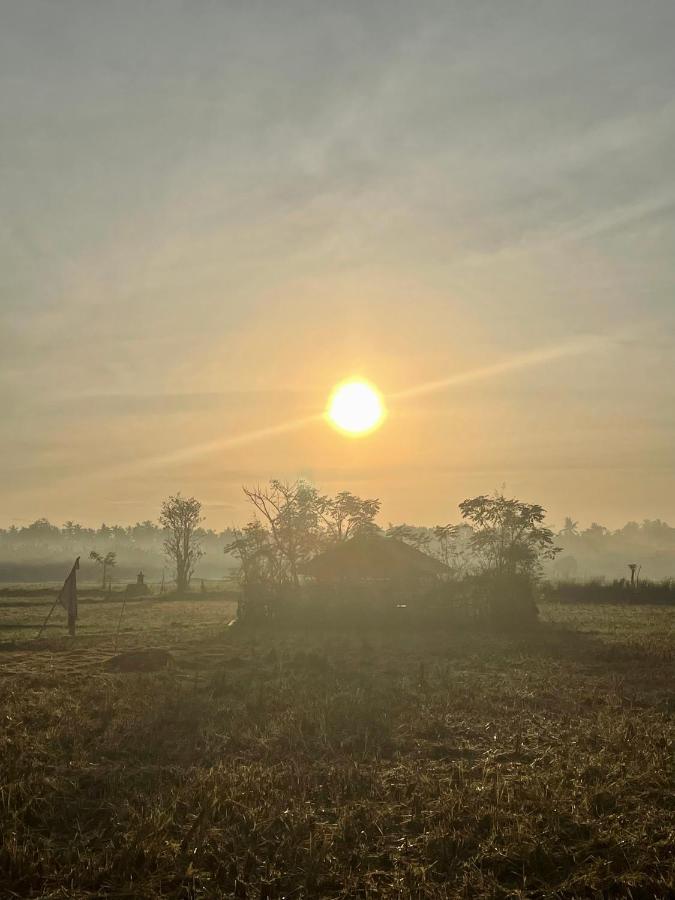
373	557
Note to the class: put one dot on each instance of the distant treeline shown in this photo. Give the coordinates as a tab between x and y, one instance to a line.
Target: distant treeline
37	552
598	552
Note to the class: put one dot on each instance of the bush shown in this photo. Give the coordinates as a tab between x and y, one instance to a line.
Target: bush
500	601
510	600
618	591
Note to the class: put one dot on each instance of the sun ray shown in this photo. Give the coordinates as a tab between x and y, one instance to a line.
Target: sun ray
537	357
578	347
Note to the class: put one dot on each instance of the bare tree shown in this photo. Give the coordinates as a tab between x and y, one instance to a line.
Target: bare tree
180	517
108	561
290	510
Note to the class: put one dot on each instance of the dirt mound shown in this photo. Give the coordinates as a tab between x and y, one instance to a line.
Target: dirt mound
140	661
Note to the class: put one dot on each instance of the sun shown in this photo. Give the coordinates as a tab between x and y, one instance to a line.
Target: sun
355	407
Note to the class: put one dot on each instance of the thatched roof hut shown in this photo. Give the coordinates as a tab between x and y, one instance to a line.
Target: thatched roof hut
374	558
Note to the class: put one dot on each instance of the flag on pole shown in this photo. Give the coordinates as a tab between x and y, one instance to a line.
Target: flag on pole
68	596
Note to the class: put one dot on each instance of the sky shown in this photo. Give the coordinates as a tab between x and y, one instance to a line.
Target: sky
213	211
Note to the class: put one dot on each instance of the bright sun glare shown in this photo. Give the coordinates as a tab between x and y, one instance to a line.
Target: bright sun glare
355	407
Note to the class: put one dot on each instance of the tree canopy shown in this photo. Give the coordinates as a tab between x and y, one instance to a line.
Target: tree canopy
508	536
180	516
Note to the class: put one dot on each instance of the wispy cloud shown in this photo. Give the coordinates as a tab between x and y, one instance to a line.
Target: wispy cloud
539	357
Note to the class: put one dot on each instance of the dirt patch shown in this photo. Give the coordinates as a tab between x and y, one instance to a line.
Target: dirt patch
140	661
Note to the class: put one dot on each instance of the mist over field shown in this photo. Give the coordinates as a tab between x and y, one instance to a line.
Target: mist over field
40	551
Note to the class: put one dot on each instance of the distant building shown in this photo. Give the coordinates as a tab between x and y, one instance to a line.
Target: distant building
364	577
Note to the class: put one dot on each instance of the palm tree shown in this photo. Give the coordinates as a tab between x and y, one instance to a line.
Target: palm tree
108	562
569	529
634	574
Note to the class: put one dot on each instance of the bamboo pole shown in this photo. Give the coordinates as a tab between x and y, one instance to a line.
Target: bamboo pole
119	621
49	615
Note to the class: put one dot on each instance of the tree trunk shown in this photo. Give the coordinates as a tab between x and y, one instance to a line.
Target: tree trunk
181	579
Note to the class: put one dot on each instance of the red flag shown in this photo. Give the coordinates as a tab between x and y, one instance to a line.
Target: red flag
68	596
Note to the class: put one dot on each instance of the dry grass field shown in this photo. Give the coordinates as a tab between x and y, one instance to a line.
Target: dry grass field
276	764
143	620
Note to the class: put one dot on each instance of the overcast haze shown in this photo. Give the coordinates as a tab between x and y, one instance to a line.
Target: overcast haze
213	211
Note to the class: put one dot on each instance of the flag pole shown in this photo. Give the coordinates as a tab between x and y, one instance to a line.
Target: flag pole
69	585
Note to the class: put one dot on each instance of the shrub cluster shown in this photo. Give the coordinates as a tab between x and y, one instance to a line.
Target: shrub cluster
618	591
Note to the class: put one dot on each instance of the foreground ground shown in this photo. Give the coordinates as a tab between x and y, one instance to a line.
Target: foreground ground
341	765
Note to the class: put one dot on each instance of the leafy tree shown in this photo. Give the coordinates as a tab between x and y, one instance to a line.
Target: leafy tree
445	536
508	535
180	518
452	546
419	538
509	541
146	535
119	533
72	530
42	526
630	530
108	562
346	515
257	555
657	531
40	532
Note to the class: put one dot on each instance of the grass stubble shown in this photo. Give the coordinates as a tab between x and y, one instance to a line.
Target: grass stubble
278	764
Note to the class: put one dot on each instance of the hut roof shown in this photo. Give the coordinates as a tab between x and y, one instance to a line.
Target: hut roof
373	557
